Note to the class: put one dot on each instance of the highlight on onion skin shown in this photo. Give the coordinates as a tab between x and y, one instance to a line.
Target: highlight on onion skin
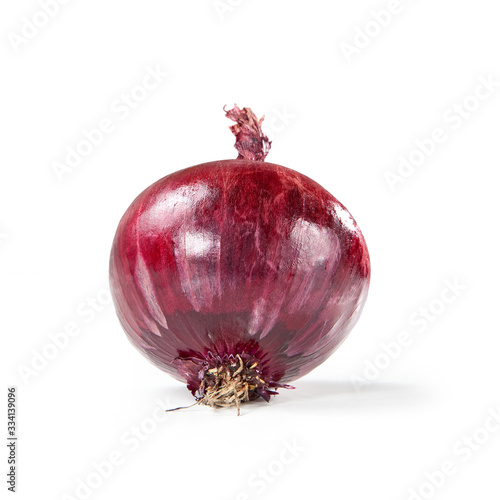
238	276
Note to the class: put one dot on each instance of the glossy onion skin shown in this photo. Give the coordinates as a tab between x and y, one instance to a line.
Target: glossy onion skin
238	257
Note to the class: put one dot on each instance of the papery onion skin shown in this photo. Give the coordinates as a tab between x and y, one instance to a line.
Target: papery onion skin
238	257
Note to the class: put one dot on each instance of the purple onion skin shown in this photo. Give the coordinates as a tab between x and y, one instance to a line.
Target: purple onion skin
238	257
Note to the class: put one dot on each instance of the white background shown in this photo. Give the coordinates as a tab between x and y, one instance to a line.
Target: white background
343	120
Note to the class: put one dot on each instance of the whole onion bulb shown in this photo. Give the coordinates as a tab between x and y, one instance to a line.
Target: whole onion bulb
238	276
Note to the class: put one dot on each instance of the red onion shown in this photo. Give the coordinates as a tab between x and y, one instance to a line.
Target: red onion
238	276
